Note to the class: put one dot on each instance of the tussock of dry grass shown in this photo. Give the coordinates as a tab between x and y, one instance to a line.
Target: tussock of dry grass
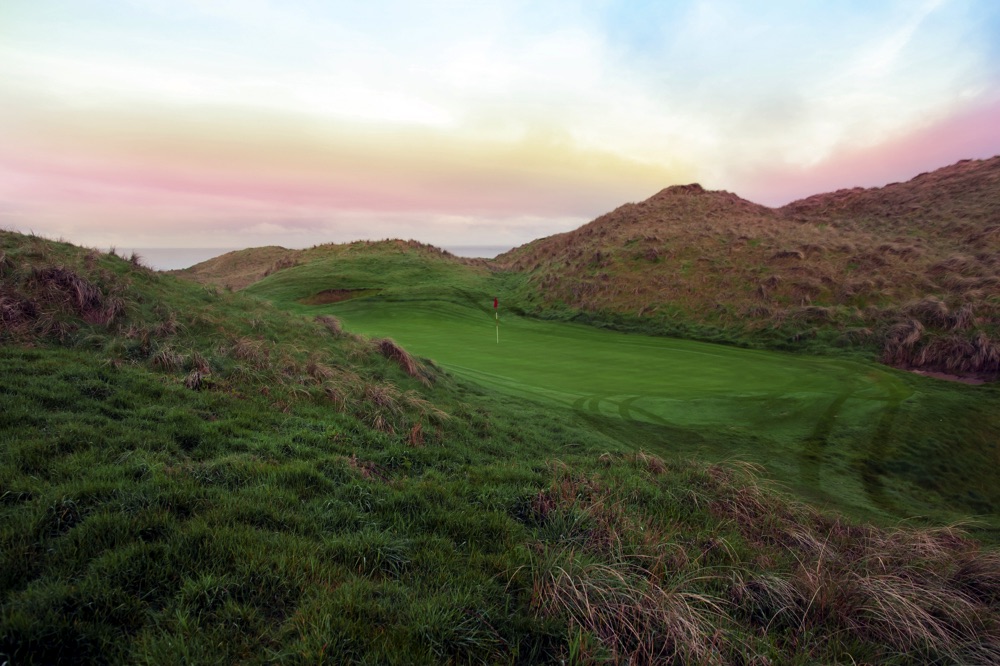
610	576
963	319
168	360
392	351
319	370
955	353
16	310
330	323
902	338
932	311
365	468
636	619
651	593
195	380
60	282
907	588
255	352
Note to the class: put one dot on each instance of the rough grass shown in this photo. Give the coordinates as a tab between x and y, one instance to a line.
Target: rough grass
709	265
152	522
392	351
257	520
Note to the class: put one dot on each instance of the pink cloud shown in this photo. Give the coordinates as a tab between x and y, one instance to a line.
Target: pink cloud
451	182
970	134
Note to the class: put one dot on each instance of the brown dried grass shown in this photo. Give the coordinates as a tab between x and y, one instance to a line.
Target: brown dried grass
638	618
337	395
900	340
655	464
955	264
137	262
813	313
16	310
254	352
986	356
196	361
392	351
50	326
280	265
985	238
365	468
859	334
954	354
385	397
416	437
318	370
63	284
788	254
330	323
168	360
194	380
923	592
963	319
931	310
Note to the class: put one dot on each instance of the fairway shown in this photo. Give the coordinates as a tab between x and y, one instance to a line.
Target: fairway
809	420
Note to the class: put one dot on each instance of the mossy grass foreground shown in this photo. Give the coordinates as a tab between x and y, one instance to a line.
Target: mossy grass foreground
193	476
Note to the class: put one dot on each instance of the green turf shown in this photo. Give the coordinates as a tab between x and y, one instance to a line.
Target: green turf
679	396
310	500
853	435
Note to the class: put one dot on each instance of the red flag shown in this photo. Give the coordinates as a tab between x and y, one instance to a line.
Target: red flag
496	302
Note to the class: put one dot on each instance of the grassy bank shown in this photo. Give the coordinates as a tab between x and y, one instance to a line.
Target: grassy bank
844	433
194	476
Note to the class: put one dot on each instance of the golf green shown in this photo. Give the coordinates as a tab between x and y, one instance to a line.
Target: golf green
807	419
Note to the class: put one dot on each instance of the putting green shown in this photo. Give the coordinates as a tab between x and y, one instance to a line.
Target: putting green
808	420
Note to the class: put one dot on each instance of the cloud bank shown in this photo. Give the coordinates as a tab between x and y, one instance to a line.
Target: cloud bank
207	123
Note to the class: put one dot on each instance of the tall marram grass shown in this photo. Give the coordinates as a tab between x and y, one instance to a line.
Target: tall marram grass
737	571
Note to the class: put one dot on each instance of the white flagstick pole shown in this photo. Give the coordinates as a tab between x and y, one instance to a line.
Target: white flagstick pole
497	315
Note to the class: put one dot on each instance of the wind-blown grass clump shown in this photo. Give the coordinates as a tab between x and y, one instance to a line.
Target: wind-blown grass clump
331	323
725	571
392	351
389	349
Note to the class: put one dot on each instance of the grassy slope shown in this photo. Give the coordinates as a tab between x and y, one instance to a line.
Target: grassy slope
235	270
907	273
189	476
838	432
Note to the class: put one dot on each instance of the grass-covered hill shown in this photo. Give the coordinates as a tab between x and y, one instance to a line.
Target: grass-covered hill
192	475
908	271
242	268
847	434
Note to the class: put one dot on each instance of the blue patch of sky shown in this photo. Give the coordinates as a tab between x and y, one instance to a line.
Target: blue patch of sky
990	26
641	28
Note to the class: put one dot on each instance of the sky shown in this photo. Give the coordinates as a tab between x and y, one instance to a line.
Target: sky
240	123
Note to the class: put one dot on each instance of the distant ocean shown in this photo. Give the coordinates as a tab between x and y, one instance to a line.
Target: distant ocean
170	258
483	251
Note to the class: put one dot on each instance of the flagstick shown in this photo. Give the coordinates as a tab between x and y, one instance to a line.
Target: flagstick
497	315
